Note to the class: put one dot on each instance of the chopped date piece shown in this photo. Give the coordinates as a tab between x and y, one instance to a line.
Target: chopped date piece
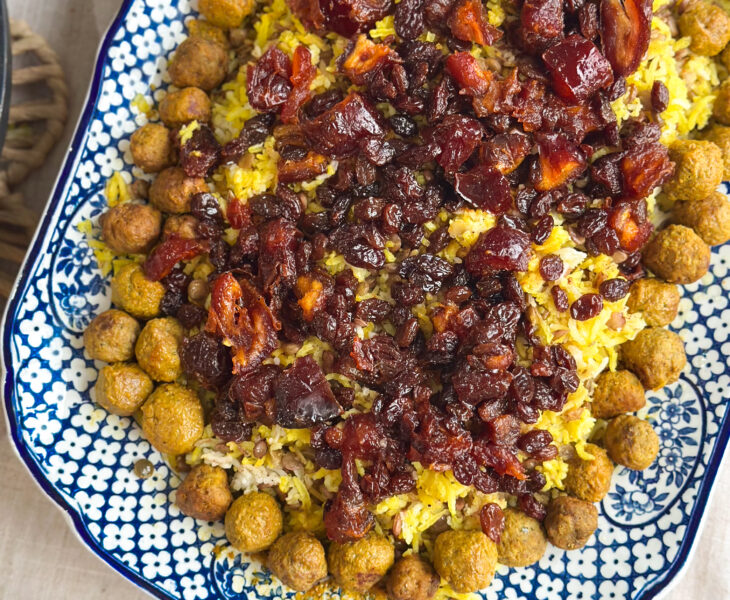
625	33
645	167
346	517
506	151
366	57
503	460
468	73
268	81
469	22
503	430
486	188
501	248
309	12
204	358
200	155
586	307
491	519
338	130
277	261
541	24
239	314
303	73
313	289
166	255
301	169
457	136
560	161
303	396
628	219
238	214
578	69
254	394
426	271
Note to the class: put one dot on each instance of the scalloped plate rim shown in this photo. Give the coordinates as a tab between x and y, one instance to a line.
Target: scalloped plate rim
655	590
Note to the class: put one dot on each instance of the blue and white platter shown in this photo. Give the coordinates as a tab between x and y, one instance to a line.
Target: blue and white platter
83	457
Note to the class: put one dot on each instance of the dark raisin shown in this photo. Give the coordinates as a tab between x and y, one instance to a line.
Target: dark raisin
403	125
406	333
204	358
531	507
586	307
542	229
573	205
491	519
592	222
614	289
534	440
551	267
560	298
659	97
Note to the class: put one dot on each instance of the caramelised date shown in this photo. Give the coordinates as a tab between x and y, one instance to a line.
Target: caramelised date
303	396
541	24
469	22
561	161
501	248
337	131
625	33
267	81
577	68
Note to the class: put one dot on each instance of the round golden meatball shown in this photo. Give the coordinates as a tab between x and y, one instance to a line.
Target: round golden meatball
358	565
678	255
570	522
656	356
157	349
122	388
208	31
111	336
198	63
466	559
709	217
253	522
698	170
523	540
185	105
631	442
227	14
720	136
204	493
131	228
721	108
412	578
184	226
657	301
136	294
298	559
589	480
172	190
151	148
617	392
172	419
708	26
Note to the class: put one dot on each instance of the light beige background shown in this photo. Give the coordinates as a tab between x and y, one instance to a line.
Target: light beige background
40	557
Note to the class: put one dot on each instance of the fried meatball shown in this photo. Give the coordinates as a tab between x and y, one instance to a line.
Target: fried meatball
136	294
412	578
358	565
657	301
227	14
721	108
708	26
204	493
678	255
208	31
523	540
298	559
698	170
656	356
253	522
617	392
111	336
184	226
157	349
185	105
172	419
122	388
570	522
589	480
152	148
198	63
172	190
466	559
131	228
631	442
709	217
720	136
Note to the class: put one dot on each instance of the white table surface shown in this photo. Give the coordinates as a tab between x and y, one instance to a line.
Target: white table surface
40	557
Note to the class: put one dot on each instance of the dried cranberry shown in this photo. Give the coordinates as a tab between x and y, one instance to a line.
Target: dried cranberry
586	307
491	519
551	267
614	289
